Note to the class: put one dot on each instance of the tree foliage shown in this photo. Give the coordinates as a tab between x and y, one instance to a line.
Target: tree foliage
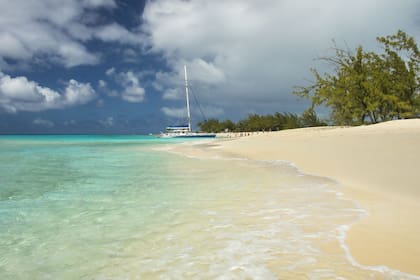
369	87
254	122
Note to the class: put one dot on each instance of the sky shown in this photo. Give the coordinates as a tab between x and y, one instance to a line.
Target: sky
116	66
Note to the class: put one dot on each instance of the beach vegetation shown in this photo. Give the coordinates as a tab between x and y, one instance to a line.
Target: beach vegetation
255	122
369	87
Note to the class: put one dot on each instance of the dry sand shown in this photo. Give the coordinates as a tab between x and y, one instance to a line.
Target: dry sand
376	165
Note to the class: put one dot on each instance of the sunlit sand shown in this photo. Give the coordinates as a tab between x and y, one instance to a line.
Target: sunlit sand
376	166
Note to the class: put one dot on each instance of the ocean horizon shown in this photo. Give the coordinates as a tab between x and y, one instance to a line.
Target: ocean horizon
123	207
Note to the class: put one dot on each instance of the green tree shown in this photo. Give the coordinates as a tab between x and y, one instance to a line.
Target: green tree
211	125
255	122
227	125
310	119
366	86
402	62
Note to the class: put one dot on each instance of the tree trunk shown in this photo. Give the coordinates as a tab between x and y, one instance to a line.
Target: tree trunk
372	117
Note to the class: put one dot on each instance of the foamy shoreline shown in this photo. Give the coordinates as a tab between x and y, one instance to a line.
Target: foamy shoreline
376	165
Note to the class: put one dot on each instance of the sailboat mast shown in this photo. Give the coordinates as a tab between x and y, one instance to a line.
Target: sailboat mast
188	101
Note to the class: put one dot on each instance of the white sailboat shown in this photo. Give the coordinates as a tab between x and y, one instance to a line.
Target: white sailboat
185	131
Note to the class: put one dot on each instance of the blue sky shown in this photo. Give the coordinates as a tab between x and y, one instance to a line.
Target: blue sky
116	66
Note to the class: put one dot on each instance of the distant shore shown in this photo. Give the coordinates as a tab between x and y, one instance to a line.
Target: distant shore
376	165
238	134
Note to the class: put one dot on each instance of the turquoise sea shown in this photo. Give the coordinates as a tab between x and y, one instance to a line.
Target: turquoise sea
121	207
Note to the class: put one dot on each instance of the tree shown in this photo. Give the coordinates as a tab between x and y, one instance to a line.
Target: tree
211	125
310	119
227	125
255	122
402	60
366	86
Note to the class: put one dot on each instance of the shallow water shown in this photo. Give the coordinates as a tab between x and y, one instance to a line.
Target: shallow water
115	208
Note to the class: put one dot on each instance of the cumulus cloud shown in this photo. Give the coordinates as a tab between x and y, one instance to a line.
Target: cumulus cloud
99	3
56	31
117	33
133	94
174	112
104	88
181	112
254	52
132	91
20	94
44	123
173	94
78	93
110	71
102	84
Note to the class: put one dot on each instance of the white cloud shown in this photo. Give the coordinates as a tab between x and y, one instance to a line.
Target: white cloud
172	94
132	91
133	94
56	31
102	84
174	112
206	72
181	112
103	87
72	54
117	33
78	93
110	71
254	52
44	123
100	3
20	94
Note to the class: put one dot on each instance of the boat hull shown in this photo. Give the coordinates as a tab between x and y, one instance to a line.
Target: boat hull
188	135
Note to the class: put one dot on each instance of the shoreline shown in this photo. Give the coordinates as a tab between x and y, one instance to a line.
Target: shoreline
375	165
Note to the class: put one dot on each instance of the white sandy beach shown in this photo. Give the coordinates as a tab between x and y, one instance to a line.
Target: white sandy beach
375	165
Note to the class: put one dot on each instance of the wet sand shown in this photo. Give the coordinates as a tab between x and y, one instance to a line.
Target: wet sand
377	165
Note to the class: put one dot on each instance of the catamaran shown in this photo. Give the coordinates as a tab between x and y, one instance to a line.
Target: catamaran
185	131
